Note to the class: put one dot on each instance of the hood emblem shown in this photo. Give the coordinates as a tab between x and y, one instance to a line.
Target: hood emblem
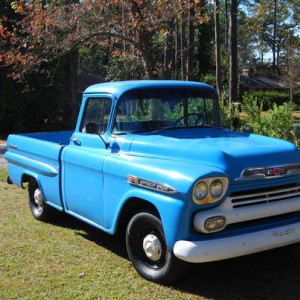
269	172
149	184
275	171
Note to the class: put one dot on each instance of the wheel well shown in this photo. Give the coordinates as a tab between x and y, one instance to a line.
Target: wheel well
133	206
26	178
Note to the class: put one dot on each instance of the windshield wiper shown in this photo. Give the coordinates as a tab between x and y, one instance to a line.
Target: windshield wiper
208	126
188	127
168	128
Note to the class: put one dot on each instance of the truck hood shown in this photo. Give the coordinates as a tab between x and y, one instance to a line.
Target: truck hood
222	148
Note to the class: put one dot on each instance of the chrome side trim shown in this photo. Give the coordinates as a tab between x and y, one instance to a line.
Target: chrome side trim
151	185
12	146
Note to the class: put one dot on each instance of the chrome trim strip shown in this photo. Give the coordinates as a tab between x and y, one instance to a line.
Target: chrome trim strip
151	185
12	146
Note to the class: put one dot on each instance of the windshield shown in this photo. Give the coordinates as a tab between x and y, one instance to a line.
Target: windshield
154	110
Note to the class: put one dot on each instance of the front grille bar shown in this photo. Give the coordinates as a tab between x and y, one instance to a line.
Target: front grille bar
254	198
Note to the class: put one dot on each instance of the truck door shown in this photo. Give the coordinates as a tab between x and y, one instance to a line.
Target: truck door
82	162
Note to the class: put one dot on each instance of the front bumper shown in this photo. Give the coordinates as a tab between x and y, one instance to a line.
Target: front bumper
237	245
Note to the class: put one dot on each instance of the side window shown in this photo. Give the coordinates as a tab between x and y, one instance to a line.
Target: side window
96	116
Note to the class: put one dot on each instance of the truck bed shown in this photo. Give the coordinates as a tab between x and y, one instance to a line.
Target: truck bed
32	153
57	137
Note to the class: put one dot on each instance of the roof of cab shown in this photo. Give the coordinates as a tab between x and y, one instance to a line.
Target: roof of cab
118	88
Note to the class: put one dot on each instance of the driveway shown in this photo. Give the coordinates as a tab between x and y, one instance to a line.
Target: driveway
3	162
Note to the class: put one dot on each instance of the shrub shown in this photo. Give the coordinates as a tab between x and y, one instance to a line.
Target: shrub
277	122
231	114
267	98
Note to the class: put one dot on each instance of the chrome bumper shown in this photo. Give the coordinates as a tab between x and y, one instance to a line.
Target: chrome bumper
238	245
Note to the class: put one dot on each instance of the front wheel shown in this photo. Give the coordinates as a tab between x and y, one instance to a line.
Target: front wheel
148	251
39	209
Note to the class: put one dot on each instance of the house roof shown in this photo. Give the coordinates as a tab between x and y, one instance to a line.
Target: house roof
260	82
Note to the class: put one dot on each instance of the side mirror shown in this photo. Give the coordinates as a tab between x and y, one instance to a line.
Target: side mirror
91	127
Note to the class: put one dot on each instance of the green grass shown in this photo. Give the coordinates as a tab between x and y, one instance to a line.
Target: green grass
70	260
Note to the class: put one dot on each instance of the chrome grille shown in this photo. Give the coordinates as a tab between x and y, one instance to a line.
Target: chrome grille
263	196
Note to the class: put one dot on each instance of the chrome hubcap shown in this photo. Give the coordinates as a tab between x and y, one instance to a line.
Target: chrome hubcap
152	247
38	197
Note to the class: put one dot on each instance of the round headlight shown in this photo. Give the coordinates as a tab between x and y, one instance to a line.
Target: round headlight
216	188
200	190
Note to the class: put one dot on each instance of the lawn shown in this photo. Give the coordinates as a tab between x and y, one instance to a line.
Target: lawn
70	260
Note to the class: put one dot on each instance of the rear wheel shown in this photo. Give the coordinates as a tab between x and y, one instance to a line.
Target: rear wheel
39	209
148	251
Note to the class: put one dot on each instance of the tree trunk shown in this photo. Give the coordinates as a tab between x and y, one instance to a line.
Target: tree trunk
274	36
233	68
176	46
226	24
71	105
147	65
145	49
182	48
168	51
191	42
218	49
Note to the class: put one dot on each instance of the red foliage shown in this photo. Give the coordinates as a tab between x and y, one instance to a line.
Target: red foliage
47	32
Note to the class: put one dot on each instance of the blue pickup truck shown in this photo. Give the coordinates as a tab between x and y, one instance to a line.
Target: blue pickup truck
155	159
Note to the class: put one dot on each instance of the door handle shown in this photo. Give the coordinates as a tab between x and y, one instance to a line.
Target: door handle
75	141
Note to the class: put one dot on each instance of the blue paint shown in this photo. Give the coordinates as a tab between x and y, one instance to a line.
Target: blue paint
89	181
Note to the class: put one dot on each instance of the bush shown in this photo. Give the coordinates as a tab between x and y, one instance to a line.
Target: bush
267	98
277	122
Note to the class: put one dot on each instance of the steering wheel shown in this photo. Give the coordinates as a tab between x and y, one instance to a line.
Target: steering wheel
198	120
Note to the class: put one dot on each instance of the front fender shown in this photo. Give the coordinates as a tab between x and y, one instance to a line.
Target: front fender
175	209
170	209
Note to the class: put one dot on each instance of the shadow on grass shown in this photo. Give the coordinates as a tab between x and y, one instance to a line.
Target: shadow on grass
269	275
273	274
116	244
